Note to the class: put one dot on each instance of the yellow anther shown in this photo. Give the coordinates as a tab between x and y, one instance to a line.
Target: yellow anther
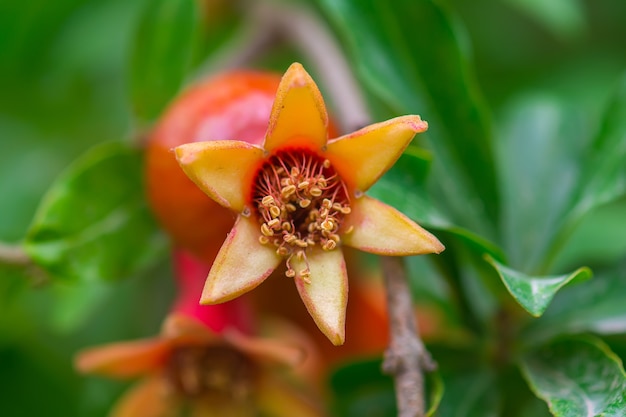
312	227
350	229
326	203
346	210
328	225
285	182
267	201
289	238
303	185
272	223
304	203
295	171
300	255
286	226
274	211
263	240
290	273
288	191
326	163
321	181
310	241
266	230
329	245
315	191
290	207
323	212
282	251
301	243
334	237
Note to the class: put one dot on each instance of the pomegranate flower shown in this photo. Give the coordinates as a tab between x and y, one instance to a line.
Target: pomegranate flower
188	367
300	197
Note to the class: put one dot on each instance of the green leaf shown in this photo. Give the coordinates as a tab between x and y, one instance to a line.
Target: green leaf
532	292
566	18
597	306
543	141
414	63
471	394
162	54
94	223
577	378
603	177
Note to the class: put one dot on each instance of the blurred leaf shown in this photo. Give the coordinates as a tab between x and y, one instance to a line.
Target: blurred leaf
472	394
436	389
413	61
565	18
532	292
577	377
162	55
409	174
360	389
603	177
596	306
93	223
542	143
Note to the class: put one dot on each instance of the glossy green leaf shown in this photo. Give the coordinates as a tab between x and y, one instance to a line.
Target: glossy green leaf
542	143
162	54
596	306
535	293
577	378
472	394
414	63
94	222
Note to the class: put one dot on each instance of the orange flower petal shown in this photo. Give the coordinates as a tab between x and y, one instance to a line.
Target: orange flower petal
299	116
325	291
223	169
184	330
269	349
383	230
363	156
279	400
146	399
124	359
241	264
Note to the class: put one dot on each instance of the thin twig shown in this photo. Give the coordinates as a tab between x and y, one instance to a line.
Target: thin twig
406	359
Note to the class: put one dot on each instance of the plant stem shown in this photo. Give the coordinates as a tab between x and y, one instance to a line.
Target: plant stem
406	359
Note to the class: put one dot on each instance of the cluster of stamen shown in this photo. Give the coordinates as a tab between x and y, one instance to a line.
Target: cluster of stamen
210	372
301	202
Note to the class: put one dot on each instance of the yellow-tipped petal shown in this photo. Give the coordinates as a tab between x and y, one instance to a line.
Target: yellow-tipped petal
149	398
381	229
241	264
223	169
124	359
269	349
274	398
299	114
363	156
325	290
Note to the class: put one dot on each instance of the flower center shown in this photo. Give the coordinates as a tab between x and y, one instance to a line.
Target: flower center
301	202
211	373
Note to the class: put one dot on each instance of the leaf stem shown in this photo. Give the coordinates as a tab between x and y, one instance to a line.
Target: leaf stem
406	359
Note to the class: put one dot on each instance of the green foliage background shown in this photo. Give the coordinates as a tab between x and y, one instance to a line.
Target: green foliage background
523	179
